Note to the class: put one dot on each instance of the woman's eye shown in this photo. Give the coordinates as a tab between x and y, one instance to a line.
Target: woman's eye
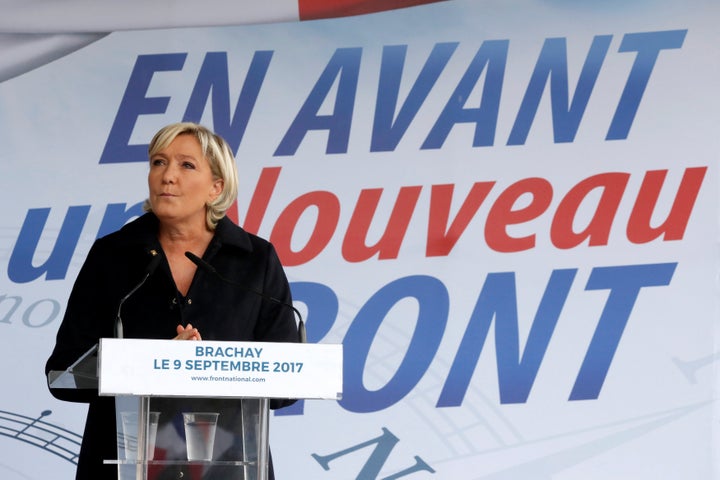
157	161
188	165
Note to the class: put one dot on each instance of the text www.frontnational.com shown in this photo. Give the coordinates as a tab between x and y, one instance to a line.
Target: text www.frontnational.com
213	378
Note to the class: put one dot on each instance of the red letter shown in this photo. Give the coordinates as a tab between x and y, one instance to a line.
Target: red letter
328	212
598	227
354	248
501	214
440	238
639	229
260	199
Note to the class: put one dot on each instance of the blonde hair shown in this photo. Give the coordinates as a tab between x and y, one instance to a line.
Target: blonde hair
219	156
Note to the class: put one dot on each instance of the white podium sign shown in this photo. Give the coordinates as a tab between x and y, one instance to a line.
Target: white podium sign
145	367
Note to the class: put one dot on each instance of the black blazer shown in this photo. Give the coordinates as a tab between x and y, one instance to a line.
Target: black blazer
221	311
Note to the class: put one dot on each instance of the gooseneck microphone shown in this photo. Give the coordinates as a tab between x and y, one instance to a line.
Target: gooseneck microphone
302	335
152	266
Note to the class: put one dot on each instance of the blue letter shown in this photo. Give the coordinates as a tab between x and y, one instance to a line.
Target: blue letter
433	304
386	133
345	63
134	104
116	216
322	307
213	77
492	53
552	63
624	283
20	267
515	374
648	46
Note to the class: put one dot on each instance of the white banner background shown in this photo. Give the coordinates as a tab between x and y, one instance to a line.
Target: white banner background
654	417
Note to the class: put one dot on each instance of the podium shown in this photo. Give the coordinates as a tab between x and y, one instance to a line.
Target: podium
199	410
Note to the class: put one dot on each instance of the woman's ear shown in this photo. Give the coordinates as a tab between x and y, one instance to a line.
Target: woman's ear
217	188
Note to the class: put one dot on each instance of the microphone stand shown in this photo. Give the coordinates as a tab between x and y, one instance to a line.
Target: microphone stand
302	334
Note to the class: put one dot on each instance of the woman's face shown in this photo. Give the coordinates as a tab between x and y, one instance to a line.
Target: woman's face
181	183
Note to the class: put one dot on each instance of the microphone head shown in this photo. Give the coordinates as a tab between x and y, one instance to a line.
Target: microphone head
200	262
193	258
154	262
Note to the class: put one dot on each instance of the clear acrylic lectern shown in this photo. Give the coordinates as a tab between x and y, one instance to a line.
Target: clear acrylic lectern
155	442
173	421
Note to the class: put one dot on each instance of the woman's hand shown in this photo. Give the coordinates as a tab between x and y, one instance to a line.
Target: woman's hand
187	333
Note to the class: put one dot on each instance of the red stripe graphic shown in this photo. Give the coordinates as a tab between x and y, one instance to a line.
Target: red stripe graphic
316	9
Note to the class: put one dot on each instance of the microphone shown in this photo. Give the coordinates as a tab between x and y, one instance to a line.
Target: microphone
302	335
152	266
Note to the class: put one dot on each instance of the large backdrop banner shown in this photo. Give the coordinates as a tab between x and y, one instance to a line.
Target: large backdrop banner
505	211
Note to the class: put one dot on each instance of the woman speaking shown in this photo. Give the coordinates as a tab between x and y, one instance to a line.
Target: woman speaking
192	181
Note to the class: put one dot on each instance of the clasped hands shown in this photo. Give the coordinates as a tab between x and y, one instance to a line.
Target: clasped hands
187	333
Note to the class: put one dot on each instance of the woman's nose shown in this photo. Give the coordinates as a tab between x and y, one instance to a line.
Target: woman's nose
169	173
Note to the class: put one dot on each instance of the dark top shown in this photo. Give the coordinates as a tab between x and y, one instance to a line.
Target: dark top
221	311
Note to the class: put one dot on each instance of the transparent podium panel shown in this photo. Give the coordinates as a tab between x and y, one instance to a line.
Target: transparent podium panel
191	438
81	375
